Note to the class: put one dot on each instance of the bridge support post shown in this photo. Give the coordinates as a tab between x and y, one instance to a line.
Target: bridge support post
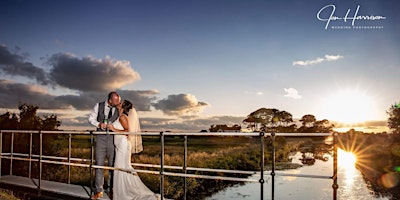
262	181
273	167
40	161
30	155
12	151
335	185
185	166
69	158
91	162
162	165
1	149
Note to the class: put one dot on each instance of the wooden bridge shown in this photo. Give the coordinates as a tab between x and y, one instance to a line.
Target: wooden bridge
44	189
48	189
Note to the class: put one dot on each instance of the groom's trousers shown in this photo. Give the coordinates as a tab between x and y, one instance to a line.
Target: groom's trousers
104	149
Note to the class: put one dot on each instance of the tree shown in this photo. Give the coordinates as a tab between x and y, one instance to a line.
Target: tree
394	118
250	122
270	120
308	120
311	125
323	126
8	121
28	119
50	122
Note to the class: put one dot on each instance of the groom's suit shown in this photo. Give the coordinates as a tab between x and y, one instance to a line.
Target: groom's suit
104	143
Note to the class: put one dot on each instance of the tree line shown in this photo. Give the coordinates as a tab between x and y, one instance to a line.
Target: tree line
274	120
27	119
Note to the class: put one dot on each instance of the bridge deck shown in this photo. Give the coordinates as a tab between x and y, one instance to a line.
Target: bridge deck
74	191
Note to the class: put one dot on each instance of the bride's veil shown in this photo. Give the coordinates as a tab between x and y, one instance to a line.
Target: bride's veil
134	126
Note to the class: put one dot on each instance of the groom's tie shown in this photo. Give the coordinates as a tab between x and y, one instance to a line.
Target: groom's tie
109	113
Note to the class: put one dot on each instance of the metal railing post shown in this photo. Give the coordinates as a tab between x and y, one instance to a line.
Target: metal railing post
1	149
30	155
69	158
12	151
273	166
262	181
91	162
40	160
162	165
185	166
335	186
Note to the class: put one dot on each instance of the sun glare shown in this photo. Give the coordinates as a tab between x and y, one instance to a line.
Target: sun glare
349	107
346	159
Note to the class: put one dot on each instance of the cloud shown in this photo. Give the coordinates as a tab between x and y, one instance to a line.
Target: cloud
179	104
85	74
332	57
292	93
13	64
141	99
11	94
317	60
89	74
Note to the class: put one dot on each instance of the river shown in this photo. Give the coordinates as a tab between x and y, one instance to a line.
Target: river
352	185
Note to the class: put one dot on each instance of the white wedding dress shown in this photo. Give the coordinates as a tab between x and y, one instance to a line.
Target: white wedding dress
128	185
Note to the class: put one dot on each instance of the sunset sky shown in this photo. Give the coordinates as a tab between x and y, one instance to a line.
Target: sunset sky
189	64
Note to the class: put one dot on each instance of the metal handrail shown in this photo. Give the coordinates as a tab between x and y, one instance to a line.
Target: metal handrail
70	161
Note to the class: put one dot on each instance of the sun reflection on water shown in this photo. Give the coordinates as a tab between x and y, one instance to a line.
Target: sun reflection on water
347	162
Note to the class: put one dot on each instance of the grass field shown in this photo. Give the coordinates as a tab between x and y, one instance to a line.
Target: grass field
231	153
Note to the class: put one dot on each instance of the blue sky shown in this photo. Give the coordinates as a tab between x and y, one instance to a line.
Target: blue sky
189	64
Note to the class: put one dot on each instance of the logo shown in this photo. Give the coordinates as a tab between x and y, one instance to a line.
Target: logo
351	20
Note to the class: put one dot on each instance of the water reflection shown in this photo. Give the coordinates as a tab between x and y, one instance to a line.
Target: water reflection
347	162
315	150
316	159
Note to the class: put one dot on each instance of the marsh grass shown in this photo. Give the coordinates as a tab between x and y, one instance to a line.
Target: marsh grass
7	195
238	153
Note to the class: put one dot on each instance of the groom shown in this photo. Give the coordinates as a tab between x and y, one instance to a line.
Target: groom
102	114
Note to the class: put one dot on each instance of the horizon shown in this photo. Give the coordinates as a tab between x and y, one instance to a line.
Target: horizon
189	64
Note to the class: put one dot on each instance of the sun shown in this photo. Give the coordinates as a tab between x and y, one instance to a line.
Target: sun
346	159
349	107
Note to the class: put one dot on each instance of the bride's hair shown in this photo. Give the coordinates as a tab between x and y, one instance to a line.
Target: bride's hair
126	106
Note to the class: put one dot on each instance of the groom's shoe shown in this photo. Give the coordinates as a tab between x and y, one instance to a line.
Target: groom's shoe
97	196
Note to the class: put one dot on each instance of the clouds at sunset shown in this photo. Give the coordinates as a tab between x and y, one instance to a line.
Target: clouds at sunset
14	64
89	77
91	74
180	104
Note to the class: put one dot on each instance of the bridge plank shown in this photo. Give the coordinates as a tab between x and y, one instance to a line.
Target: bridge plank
49	186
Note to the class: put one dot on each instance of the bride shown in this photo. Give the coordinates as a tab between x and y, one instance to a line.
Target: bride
127	185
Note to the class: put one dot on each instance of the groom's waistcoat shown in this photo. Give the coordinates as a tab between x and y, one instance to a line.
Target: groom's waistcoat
101	116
